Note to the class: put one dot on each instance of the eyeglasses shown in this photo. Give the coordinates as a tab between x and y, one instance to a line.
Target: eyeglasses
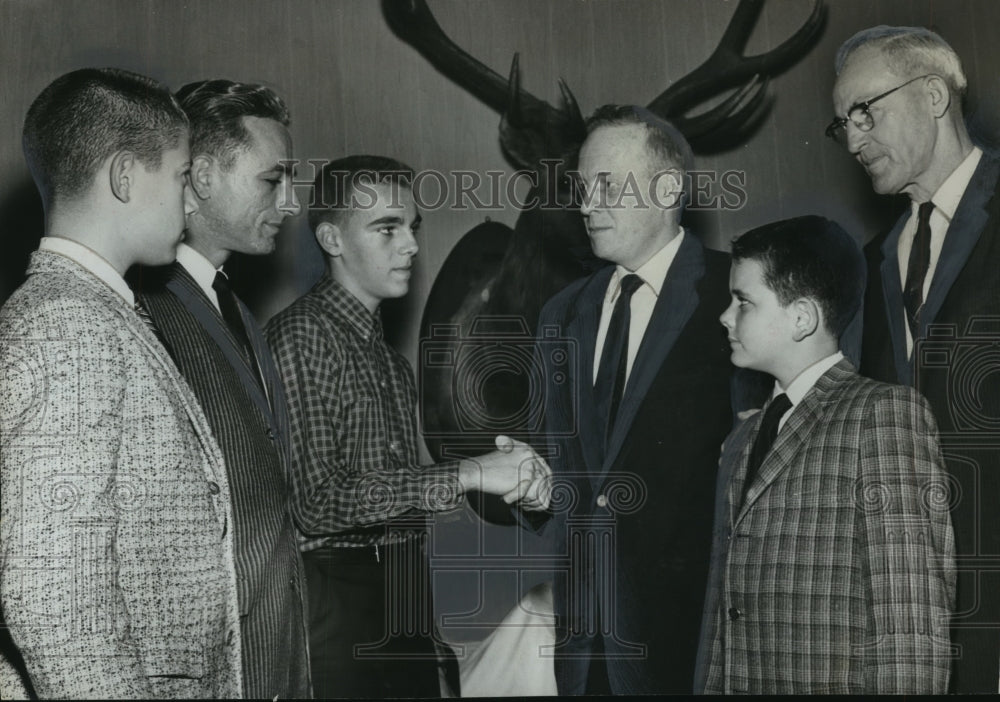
859	114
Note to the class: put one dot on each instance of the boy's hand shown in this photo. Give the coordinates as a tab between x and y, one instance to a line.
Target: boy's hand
514	471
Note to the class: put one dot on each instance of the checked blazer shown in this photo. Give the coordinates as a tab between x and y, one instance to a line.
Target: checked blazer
251	426
837	573
117	572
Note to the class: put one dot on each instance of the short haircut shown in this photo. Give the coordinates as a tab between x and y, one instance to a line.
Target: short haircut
667	146
84	117
216	109
909	52
337	182
809	257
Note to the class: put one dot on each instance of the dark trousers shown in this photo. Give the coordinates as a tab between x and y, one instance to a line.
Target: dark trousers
371	630
597	671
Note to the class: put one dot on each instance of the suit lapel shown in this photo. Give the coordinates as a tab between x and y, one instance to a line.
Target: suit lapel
193	298
191	407
963	235
675	304
892	297
157	355
792	438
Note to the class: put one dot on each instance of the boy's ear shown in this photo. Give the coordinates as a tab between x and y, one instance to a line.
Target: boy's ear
328	236
807	318
202	175
121	174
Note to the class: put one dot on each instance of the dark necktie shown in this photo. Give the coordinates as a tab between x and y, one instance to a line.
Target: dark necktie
765	439
614	358
916	269
234	320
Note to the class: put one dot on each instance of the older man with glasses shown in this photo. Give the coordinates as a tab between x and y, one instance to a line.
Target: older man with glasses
932	309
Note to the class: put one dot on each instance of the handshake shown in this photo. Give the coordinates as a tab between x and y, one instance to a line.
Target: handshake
514	471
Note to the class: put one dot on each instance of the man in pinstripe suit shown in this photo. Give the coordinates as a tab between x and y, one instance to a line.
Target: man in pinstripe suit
833	558
239	140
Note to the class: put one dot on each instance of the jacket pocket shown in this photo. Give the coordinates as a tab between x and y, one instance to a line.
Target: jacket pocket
174	662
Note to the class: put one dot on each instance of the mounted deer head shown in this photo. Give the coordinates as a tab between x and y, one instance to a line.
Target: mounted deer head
532	129
497	273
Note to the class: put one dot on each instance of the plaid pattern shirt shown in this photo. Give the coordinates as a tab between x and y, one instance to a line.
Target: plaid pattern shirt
352	401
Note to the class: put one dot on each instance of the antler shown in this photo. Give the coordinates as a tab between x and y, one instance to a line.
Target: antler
528	123
727	68
531	129
520	134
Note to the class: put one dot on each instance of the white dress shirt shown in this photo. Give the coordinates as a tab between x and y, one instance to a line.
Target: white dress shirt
92	261
203	272
201	269
803	383
653	272
945	201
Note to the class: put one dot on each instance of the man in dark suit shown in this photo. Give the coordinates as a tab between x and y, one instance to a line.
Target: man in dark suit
240	140
635	418
931	310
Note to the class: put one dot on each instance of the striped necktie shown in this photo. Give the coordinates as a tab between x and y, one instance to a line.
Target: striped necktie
143	313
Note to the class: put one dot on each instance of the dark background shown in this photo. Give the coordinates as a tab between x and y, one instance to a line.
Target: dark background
353	87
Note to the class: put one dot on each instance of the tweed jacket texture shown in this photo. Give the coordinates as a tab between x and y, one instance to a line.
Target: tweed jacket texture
837	573
250	425
117	573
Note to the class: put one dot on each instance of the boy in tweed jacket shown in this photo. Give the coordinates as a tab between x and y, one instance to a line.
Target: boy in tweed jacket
833	558
117	577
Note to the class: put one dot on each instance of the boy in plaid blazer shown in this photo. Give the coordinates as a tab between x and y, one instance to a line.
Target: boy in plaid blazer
833	557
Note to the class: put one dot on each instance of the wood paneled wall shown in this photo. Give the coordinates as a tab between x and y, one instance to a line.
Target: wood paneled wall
354	87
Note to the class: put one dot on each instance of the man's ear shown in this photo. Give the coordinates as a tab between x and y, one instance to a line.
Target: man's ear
121	174
203	175
668	189
939	94
807	318
328	236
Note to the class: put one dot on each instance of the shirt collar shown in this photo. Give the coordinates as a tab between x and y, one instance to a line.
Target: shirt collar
349	308
91	260
200	268
654	271
950	193
804	381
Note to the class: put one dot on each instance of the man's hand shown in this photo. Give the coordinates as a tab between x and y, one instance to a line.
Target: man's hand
514	471
530	494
